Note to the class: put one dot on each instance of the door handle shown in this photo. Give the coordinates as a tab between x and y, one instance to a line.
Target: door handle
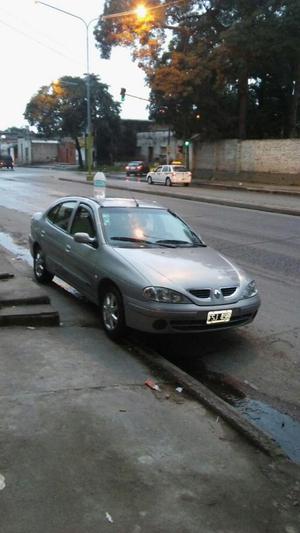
68	248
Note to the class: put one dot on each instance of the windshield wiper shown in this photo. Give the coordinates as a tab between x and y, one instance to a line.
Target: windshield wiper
176	243
143	241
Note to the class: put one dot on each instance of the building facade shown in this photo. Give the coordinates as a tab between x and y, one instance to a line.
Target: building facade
33	151
159	146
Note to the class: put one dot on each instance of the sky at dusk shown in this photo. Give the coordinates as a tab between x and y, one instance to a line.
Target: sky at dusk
39	45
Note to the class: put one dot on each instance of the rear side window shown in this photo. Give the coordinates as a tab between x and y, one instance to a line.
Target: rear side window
60	215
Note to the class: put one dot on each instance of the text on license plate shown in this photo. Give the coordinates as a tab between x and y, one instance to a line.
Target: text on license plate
214	317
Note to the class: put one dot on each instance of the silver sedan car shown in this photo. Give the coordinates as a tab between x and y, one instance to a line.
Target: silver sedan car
142	264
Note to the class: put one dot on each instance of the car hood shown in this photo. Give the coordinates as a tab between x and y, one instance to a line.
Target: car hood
184	267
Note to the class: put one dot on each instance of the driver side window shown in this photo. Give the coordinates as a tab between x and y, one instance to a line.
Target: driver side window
83	222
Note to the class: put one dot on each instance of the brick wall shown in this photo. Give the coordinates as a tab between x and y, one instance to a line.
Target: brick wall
268	161
67	152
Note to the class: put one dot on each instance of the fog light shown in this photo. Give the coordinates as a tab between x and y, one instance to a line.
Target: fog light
159	324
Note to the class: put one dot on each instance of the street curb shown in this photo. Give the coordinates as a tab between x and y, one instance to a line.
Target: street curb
205	396
44	316
24	300
230	203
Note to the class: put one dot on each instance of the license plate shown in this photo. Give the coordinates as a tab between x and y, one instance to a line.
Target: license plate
216	317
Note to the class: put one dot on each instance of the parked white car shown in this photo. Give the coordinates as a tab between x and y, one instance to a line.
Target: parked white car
170	175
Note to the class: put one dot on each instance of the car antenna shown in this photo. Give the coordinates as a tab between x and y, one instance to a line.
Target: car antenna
136	202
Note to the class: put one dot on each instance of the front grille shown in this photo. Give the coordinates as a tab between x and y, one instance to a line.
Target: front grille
200	293
228	291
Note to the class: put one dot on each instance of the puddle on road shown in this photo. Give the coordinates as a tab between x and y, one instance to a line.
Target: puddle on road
284	429
20	252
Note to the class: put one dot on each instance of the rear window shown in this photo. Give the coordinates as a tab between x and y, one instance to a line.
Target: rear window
179	168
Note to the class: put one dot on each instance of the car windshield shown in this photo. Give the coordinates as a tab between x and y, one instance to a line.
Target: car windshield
140	227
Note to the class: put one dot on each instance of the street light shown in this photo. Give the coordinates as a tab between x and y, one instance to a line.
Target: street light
141	11
88	88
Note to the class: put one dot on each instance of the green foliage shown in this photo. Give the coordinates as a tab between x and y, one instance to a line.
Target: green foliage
60	109
220	68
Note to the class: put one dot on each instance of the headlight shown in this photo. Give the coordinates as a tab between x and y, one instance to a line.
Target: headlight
162	295
250	290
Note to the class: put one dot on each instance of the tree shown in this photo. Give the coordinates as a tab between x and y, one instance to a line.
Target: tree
233	63
60	110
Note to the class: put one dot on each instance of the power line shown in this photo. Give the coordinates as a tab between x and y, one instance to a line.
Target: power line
38	41
27	23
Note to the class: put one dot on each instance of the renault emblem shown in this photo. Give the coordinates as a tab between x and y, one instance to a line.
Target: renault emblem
217	293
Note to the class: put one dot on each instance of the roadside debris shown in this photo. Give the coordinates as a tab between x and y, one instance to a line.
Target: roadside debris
2	482
30	327
179	389
250	384
150	383
109	518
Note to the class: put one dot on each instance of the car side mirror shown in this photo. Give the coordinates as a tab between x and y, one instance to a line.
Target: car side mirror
84	238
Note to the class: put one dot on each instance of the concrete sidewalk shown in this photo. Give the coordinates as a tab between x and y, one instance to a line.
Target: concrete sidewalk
22	302
87	446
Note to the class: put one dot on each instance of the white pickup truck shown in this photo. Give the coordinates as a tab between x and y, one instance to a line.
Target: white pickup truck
170	175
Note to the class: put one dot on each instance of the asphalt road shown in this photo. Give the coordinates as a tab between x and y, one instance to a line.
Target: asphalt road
263	357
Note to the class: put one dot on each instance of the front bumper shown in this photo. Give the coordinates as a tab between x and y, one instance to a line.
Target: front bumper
153	317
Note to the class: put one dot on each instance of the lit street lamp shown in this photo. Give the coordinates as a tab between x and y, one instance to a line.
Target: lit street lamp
139	12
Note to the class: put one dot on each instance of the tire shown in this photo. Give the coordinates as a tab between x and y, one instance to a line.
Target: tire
112	312
186	184
127	173
168	182
149	180
41	274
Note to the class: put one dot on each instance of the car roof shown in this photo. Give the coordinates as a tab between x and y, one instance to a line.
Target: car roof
111	202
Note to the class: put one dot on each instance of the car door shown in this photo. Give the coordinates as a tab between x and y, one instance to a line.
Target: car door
165	172
156	176
81	257
54	235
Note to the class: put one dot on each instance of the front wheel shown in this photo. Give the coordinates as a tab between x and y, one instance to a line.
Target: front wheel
112	312
41	274
168	182
186	184
149	180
